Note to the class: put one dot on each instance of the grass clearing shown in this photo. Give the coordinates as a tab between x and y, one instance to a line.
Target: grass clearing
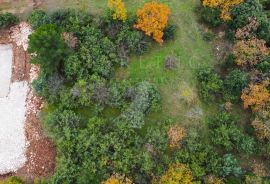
189	47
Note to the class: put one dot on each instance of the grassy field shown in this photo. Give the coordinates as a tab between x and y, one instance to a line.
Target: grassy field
192	51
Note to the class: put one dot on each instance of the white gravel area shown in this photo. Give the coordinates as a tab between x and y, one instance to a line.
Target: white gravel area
12	137
6	55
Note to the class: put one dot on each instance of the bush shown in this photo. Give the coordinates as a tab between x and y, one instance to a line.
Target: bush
147	98
71	20
252	8
38	18
170	32
199	155
97	55
208	36
230	166
264	66
60	122
211	16
234	83
131	41
247	145
7	20
209	83
13	180
225	132
48	87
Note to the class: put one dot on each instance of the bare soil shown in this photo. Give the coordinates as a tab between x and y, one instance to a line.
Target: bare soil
41	152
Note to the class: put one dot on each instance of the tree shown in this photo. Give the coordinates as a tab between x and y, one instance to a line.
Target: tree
211	16
7	19
119	9
38	18
252	9
224	5
48	47
153	19
209	83
257	96
250	52
176	135
230	166
176	174
234	83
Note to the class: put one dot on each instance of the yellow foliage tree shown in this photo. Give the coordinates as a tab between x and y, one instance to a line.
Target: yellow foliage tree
250	52
119	9
257	96
224	5
117	179
177	174
153	19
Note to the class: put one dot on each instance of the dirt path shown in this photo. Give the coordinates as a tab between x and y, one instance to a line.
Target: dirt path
40	152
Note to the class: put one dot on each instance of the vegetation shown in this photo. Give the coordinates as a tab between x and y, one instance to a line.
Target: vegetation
7	20
153	19
122	108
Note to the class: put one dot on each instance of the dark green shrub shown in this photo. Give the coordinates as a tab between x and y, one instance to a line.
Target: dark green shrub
209	83
38	18
7	19
208	36
234	83
211	16
229	62
170	32
131	41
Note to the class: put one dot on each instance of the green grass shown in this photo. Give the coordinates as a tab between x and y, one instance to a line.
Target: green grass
192	52
189	47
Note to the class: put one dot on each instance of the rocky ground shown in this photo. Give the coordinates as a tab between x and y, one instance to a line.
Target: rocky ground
40	150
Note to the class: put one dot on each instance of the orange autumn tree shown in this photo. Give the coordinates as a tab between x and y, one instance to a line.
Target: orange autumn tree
153	19
256	96
224	5
176	174
119	9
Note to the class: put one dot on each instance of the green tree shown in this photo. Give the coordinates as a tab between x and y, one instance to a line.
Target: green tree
230	166
48	47
38	18
7	19
209	83
234	83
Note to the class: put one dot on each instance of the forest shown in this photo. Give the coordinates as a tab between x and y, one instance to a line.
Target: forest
154	92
